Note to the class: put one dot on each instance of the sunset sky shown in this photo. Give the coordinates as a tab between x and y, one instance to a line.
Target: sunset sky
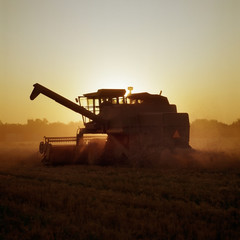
188	49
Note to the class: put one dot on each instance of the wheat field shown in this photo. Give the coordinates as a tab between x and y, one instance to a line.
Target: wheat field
200	201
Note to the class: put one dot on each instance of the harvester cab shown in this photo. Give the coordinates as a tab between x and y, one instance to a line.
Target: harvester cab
133	124
101	103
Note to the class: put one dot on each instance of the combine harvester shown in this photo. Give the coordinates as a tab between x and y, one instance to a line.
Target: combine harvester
120	128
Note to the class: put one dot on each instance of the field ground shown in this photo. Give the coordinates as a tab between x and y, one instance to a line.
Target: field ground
94	202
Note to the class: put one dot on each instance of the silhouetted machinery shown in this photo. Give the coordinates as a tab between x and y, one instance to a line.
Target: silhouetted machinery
132	125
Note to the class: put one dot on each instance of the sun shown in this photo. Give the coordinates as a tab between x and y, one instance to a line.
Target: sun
117	82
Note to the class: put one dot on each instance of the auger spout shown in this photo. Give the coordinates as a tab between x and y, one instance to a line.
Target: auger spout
64	101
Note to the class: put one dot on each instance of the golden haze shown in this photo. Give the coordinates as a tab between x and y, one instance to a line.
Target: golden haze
189	50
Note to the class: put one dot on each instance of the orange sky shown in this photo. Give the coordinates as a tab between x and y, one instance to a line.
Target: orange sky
188	49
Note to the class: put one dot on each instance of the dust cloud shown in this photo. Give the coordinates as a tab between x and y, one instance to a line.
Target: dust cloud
16	154
13	154
192	158
214	145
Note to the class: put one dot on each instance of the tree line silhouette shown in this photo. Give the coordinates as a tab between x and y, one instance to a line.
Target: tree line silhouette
212	135
203	128
34	130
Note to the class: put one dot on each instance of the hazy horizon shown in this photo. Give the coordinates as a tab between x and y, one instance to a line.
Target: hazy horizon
46	121
189	50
